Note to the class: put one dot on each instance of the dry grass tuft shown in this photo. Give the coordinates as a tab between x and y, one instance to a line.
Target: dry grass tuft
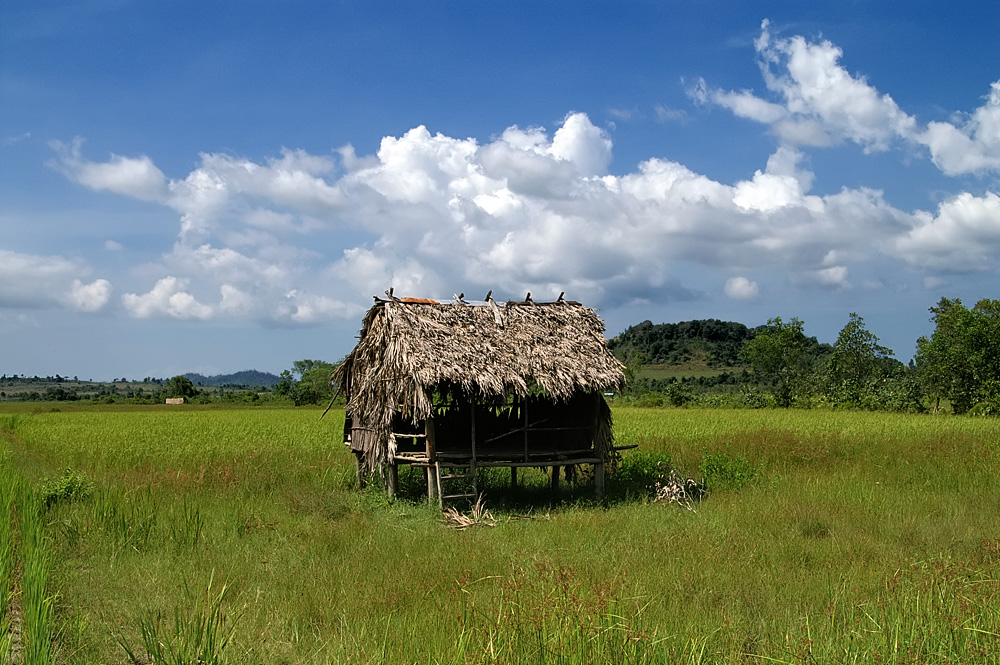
671	487
478	516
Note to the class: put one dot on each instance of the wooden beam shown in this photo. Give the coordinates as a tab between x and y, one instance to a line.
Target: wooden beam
413	458
541	458
533	428
538	464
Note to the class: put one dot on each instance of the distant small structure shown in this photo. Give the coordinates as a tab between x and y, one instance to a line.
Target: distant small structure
175	400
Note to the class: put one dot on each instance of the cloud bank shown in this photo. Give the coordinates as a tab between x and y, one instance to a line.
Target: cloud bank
299	239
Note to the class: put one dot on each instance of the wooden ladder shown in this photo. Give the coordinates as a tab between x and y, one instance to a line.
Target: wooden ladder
467	472
460	467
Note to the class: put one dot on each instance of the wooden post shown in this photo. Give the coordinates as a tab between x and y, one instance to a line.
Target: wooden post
430	446
472	406
599	467
513	476
555	479
525	429
431	483
472	461
393	479
360	470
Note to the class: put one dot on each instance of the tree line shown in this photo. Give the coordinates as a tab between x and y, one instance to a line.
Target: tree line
306	382
776	364
781	366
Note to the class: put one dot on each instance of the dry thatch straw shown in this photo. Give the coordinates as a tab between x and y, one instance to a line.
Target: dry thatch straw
409	348
478	516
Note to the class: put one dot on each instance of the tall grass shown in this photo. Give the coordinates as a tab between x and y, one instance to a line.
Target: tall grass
827	537
26	619
198	634
36	600
8	494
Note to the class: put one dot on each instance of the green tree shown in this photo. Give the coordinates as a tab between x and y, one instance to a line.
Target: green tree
858	361
960	361
179	386
284	387
308	382
634	382
778	352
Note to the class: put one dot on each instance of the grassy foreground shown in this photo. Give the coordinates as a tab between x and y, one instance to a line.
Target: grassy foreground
234	536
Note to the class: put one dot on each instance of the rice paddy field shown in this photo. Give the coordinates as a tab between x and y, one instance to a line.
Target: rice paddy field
147	535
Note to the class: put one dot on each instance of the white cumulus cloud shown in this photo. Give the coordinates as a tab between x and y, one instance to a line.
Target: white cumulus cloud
971	148
235	301
813	84
963	236
741	288
817	102
820	101
578	141
168	299
91	297
35	282
137	177
309	308
833	276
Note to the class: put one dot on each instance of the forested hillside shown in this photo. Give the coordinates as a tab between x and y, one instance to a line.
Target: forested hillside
245	379
718	343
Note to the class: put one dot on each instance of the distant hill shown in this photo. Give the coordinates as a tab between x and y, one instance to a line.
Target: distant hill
706	343
717	342
246	379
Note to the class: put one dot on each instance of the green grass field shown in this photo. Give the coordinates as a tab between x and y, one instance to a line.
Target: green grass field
234	536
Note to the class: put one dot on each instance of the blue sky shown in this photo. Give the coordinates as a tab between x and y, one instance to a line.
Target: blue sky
223	186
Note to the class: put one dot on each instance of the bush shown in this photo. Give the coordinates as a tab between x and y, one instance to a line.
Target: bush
637	473
678	394
715	401
72	486
649	400
901	393
723	471
752	399
988	407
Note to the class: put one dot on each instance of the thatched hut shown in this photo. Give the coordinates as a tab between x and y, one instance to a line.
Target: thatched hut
460	385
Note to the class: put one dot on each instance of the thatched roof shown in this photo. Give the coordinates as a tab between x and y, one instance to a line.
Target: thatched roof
410	346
